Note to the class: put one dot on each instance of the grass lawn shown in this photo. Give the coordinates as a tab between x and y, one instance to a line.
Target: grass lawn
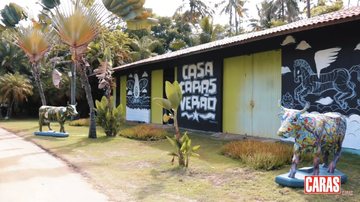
132	170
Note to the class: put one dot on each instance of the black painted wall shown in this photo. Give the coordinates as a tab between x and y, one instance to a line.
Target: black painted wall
322	68
201	82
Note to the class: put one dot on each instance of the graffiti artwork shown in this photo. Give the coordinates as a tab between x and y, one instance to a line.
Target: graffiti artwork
138	97
199	108
325	76
311	83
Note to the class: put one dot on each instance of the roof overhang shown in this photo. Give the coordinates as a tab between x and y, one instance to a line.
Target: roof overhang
326	20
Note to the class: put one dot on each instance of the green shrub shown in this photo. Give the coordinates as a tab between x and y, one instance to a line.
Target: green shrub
260	155
145	132
80	122
108	116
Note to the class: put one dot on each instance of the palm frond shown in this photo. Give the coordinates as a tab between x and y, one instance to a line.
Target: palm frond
78	25
33	42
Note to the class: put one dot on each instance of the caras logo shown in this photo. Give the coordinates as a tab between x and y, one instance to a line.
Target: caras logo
322	185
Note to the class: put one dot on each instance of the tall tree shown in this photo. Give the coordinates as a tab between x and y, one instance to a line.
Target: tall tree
266	14
235	9
210	32
35	44
287	10
194	10
77	27
14	88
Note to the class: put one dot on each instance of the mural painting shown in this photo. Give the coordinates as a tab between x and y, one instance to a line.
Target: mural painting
326	76
138	96
200	107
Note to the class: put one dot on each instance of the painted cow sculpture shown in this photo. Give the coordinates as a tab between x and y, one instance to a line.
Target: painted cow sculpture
316	133
59	114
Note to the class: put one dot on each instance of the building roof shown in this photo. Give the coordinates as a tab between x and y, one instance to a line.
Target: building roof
338	17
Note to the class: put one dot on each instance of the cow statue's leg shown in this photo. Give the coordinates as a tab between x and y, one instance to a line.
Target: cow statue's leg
62	129
325	158
295	161
48	124
317	161
333	163
40	124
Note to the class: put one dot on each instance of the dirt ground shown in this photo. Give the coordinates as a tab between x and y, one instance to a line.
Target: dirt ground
28	173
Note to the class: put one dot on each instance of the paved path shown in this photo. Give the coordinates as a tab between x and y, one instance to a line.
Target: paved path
28	173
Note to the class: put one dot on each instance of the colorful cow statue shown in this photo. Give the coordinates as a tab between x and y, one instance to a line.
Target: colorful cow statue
51	113
316	133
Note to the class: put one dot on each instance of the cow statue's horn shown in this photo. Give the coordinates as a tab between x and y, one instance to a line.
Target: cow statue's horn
281	107
307	106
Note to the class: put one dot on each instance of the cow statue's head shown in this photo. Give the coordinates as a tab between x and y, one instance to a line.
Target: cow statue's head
290	121
71	110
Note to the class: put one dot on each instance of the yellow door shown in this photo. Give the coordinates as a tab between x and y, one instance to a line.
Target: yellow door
236	95
252	88
266	93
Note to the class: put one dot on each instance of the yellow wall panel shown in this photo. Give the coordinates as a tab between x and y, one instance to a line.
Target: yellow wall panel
157	88
123	93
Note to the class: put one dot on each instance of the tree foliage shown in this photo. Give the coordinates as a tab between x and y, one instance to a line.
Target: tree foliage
324	7
12	14
14	88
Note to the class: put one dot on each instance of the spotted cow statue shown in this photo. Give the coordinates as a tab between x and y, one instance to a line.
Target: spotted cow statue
317	133
59	114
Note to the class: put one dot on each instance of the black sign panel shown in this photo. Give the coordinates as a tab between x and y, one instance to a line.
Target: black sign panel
201	105
138	96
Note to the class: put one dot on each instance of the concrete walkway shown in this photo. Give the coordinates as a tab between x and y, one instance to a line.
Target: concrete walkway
28	173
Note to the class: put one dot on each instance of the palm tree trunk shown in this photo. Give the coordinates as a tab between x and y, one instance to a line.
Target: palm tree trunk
36	74
282	10
9	110
89	98
236	23
230	23
308	8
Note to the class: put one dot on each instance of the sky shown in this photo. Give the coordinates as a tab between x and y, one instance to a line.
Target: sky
160	7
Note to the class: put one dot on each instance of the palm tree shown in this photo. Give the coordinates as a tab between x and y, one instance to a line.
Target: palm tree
266	13
35	44
288	10
235	9
197	9
144	48
12	59
77	27
14	88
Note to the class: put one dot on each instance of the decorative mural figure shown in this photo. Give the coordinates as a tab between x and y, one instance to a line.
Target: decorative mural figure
138	97
325	75
303	45
200	104
310	83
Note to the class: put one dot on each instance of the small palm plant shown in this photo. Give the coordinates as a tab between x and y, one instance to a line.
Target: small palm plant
35	44
14	88
182	144
77	27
